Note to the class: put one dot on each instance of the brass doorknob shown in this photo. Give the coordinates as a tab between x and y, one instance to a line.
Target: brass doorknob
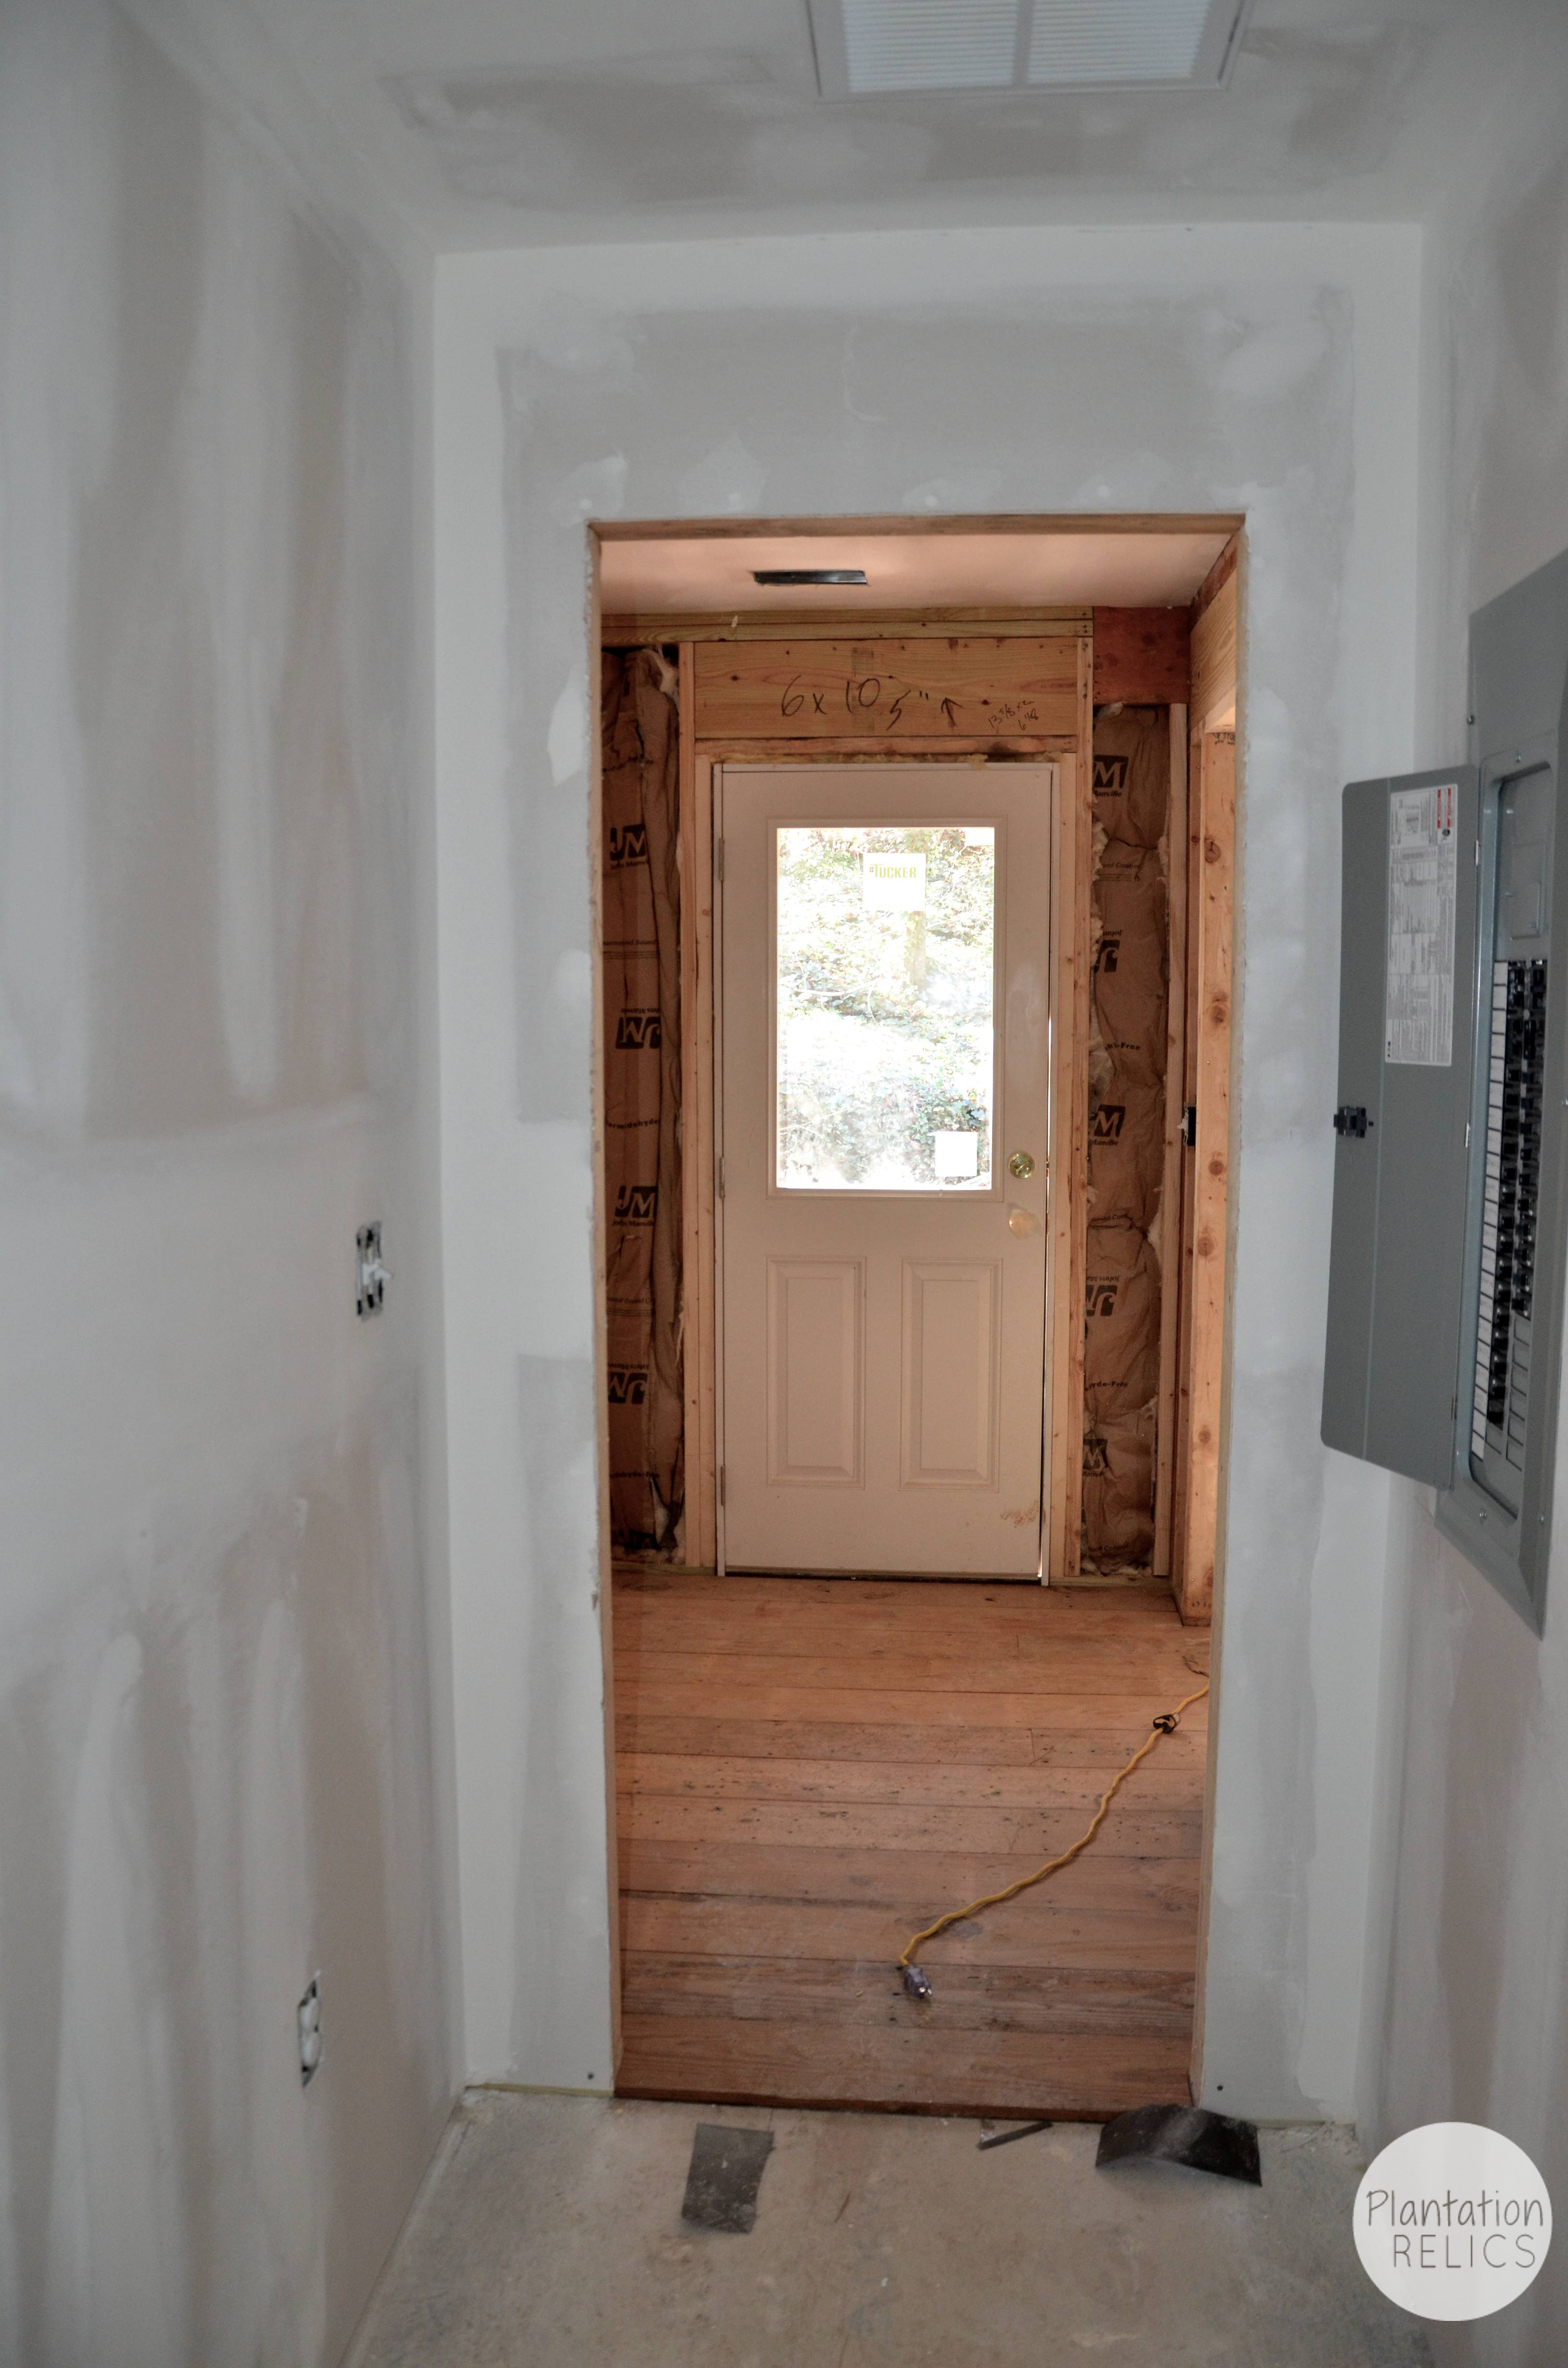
1020	1164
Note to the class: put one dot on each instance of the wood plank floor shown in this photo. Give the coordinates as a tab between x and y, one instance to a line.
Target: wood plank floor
811	1770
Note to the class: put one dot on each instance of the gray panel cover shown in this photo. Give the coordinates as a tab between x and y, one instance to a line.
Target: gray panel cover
1498	1507
1391	1375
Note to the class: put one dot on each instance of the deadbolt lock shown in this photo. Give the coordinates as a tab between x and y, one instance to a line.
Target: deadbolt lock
1020	1164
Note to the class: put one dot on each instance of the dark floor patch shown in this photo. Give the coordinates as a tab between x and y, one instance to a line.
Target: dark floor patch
1187	2134
726	2171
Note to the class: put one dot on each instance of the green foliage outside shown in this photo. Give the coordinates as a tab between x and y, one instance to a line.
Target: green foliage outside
885	1017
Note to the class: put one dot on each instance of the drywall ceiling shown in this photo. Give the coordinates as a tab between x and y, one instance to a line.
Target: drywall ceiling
703	573
517	123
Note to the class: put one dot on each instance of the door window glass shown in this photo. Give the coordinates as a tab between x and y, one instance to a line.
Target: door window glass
884	999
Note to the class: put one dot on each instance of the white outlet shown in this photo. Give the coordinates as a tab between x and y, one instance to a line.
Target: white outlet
310	2031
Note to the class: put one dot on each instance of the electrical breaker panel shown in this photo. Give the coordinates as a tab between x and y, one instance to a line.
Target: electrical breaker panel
1408	957
1451	1197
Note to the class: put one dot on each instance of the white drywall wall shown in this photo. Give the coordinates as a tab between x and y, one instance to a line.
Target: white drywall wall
221	1619
1271	369
1471	1936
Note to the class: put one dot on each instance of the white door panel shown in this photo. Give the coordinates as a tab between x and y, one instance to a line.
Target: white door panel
950	1347
816	1418
884	1032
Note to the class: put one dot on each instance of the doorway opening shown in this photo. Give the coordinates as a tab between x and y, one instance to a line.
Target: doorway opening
916	904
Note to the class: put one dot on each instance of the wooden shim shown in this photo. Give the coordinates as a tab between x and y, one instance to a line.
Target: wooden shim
825	624
1214	656
1141	656
1176	1102
1210	1172
887	691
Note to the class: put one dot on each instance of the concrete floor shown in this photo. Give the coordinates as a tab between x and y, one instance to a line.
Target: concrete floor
550	2234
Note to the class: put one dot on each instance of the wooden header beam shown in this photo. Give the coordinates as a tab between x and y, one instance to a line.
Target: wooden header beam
888	692
1141	656
734	530
824	625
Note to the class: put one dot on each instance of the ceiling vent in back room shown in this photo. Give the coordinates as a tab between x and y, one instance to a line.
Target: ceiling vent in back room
867	46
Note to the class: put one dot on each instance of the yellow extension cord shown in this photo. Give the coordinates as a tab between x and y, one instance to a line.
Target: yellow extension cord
1164	1725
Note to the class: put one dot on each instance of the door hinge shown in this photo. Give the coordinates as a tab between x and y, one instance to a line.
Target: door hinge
719	861
1351	1118
1189	1126
721	1484
718	1184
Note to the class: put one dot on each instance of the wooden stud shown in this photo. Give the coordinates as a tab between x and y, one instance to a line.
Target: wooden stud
699	1272
705	1150
1210	1173
887	691
1141	656
1181	1489
693	1282
1060	1317
1070	1171
1176	1099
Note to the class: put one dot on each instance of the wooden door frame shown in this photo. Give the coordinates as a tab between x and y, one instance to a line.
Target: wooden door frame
1186	1537
1220	656
1070	924
1218	704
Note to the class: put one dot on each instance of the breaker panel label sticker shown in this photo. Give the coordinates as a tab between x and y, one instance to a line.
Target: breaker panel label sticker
1423	884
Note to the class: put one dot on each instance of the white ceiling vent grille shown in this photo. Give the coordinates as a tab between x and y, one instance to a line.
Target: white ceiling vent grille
867	46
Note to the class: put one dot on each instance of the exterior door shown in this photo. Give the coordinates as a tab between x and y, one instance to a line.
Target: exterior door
884	1058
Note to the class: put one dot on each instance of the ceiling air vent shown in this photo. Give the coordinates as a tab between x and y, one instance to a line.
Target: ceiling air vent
867	46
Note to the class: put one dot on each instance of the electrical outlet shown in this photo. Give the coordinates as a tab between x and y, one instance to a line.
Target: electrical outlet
309	2018
373	1276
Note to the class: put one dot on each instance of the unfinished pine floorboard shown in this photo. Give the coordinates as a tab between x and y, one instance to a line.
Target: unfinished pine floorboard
811	1770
